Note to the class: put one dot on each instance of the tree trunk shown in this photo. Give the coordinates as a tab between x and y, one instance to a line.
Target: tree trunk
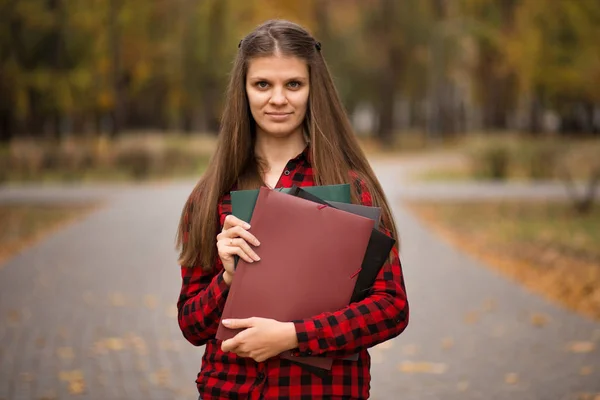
117	82
6	127
385	128
389	74
210	84
535	116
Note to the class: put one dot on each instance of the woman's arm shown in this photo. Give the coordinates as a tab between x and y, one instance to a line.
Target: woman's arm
380	316
203	293
201	303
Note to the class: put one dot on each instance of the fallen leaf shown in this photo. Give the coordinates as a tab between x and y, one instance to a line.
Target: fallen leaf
111	343
489	305
581	347
77	387
423	367
117	300
462	386
471	317
511	378
114	343
410	349
75	374
75	380
161	377
65	353
27	377
99	348
138	343
447	343
172	311
13	316
150	301
48	395
539	320
587	370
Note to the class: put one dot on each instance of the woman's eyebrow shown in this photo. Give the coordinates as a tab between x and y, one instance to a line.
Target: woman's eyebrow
259	78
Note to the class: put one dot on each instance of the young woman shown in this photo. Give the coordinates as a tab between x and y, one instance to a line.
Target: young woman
283	124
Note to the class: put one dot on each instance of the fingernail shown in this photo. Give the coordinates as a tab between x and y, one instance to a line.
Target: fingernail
246	226
226	322
256	243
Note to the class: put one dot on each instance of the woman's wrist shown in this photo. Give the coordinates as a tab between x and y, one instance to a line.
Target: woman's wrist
291	337
227	277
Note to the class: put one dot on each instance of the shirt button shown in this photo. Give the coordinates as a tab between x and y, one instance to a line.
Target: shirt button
260	376
286	172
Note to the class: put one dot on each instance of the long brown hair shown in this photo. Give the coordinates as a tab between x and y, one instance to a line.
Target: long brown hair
334	148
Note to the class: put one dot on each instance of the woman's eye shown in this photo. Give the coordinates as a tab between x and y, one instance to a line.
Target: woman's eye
262	84
294	84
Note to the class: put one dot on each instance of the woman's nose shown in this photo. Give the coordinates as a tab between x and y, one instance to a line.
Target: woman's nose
278	96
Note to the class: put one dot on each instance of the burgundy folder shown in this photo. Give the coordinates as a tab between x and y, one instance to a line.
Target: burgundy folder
310	258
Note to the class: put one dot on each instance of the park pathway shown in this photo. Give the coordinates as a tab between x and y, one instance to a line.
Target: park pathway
89	312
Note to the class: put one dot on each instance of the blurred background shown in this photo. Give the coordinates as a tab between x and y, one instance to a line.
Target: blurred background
84	74
481	117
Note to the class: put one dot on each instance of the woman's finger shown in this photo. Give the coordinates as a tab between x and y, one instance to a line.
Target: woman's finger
231	221
225	250
244	246
231	250
238	231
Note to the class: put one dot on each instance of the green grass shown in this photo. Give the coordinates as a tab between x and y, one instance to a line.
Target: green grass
449	174
548	225
544	246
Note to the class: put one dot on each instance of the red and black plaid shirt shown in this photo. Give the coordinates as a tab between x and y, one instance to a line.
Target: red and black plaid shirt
381	316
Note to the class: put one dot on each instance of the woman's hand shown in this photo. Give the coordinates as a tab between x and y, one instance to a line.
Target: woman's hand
262	339
233	240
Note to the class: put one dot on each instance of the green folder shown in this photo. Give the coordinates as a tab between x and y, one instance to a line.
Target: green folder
243	201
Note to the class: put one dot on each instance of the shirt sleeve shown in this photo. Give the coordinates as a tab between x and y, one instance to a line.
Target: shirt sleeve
379	317
201	303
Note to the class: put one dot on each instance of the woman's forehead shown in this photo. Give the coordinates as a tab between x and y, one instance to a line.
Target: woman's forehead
277	67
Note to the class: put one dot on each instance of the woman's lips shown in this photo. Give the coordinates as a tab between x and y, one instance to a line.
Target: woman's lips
279	116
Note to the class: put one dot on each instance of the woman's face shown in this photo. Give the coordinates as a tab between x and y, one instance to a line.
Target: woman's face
277	89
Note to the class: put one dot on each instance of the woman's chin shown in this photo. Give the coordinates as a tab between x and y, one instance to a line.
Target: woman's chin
278	130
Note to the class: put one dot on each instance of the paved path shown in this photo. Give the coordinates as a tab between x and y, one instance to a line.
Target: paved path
472	329
90	310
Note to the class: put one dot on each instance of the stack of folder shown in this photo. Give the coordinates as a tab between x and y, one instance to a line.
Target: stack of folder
318	254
